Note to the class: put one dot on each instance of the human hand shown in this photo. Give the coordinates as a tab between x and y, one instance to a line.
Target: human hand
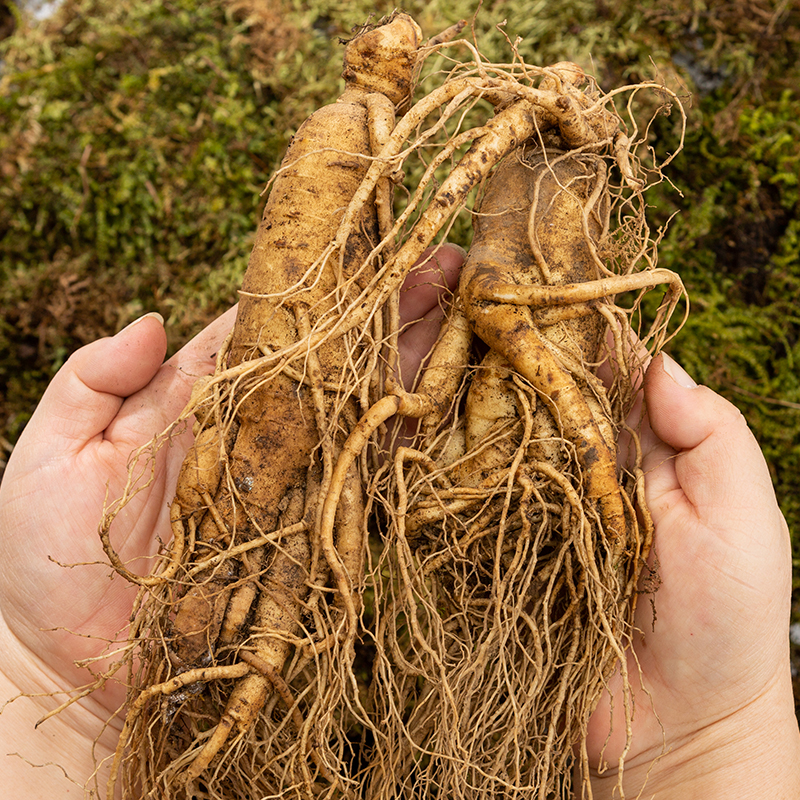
710	675
109	399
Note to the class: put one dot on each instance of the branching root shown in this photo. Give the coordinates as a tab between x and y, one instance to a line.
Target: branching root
350	607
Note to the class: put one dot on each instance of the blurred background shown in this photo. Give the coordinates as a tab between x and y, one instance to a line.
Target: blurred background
136	137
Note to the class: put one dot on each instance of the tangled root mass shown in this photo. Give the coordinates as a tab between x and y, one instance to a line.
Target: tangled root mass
345	611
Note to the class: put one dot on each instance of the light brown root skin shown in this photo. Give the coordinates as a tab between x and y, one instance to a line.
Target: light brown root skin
494	555
275	421
501	256
277	620
528	546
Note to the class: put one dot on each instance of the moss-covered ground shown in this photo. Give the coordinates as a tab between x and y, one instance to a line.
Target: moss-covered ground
137	136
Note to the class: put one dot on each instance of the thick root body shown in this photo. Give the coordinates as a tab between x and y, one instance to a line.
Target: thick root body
500	597
526	532
533	229
267	435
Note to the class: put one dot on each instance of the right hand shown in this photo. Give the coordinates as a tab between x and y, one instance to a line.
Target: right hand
710	674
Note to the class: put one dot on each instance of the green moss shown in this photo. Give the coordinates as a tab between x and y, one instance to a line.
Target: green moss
736	245
135	145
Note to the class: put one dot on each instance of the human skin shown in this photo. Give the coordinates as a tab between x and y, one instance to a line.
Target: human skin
110	398
711	673
716	663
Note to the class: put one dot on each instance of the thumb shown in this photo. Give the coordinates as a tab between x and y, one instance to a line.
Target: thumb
718	464
682	414
87	392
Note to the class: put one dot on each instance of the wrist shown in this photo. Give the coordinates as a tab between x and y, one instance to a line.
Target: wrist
58	758
752	754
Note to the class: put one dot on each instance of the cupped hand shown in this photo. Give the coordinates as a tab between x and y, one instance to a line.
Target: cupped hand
59	600
710	673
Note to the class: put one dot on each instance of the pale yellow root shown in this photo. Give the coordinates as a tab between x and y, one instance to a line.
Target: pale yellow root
175	683
280	415
277	623
500	135
515	598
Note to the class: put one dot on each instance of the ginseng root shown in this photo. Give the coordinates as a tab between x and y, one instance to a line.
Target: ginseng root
516	548
266	440
501	596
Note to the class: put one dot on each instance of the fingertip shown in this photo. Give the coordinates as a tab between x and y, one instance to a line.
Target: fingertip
125	362
450	258
204	346
434	276
142	323
453	253
677	372
439	264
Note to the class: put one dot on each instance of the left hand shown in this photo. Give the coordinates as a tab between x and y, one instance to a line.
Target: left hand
59	600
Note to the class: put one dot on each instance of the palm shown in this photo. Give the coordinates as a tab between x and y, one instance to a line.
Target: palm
707	654
60	585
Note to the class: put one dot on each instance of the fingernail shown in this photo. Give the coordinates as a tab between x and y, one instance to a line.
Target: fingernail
458	247
153	314
677	372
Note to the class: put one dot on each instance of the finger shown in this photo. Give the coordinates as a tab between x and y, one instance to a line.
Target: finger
723	545
201	351
435	279
632	365
160	402
416	343
635	357
88	391
423	298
